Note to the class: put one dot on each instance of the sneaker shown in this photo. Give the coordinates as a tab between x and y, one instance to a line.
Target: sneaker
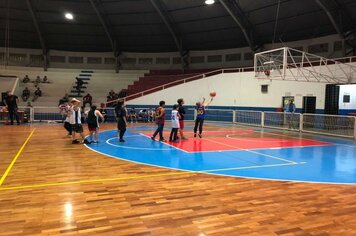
86	141
153	138
122	141
163	140
195	135
76	141
200	136
95	142
184	138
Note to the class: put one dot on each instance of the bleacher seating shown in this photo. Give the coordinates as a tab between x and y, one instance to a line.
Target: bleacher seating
61	81
160	77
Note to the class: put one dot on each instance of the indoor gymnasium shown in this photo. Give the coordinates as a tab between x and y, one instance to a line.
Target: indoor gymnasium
178	117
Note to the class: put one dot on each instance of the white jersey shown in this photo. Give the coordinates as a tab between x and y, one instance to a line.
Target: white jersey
175	119
72	118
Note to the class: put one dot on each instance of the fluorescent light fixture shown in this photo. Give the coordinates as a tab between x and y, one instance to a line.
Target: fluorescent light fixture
69	16
209	2
268	62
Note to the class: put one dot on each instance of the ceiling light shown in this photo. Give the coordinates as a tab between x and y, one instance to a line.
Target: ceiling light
209	2
69	16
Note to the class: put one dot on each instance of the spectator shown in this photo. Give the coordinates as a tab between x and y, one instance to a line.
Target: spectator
37	81
64	99
151	115
45	79
79	84
11	105
26	79
133	115
143	115
87	99
38	93
112	94
25	94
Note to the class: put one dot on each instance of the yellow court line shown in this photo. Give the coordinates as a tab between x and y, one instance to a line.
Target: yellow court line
252	167
15	158
247	150
92	181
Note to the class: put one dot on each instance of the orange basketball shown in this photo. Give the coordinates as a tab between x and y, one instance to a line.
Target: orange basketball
212	94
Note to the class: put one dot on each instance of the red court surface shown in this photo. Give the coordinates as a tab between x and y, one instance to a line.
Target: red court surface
238	141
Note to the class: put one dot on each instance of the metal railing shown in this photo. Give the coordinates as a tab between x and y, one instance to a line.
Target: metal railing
334	125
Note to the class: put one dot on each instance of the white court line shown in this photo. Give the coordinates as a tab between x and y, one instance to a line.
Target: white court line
252	167
165	143
138	148
256	140
258	153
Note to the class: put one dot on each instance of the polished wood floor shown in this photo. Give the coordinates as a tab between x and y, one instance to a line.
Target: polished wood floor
56	188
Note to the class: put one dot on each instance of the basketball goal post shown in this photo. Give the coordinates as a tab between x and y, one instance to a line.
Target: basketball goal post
291	64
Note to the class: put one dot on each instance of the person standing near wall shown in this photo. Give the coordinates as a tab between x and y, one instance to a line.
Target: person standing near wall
11	101
121	114
290	110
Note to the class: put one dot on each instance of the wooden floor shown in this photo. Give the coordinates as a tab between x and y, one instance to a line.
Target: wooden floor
56	188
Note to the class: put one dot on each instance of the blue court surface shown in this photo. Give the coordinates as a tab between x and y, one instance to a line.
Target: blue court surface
247	153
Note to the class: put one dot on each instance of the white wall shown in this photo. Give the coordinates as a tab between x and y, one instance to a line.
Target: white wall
349	89
237	89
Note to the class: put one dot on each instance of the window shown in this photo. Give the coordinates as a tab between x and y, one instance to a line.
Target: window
61	59
233	57
197	59
145	61
264	88
215	58
94	60
17	57
109	60
346	99
77	60
177	60
129	61
163	60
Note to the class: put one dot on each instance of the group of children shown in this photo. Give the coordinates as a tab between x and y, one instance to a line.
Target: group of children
73	121
177	119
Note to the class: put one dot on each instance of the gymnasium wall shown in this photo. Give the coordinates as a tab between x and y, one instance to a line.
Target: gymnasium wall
328	46
347	105
238	90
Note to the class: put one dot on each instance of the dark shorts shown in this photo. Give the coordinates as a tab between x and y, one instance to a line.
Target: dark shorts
92	127
181	124
78	128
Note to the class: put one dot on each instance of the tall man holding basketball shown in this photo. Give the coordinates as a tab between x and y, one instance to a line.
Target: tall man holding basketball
181	112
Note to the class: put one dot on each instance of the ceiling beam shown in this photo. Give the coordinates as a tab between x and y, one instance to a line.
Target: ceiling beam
105	24
38	29
162	12
234	10
331	18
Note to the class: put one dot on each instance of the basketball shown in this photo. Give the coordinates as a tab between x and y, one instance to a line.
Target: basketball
212	94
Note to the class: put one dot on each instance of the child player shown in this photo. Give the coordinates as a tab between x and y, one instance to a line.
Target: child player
175	124
199	121
93	123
